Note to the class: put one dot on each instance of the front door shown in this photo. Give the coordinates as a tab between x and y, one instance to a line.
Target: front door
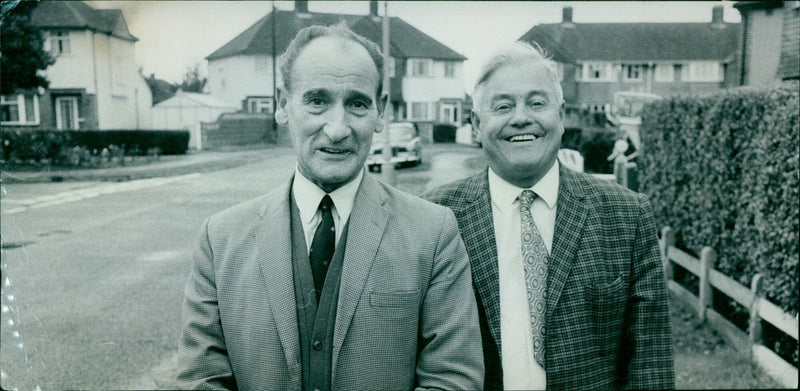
67	113
449	113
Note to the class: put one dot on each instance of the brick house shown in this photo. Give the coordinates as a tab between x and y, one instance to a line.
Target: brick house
597	60
770	41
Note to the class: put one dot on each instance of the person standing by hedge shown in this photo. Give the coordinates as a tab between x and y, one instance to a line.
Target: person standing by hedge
566	267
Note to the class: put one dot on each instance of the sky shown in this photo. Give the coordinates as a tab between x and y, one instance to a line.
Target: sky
175	35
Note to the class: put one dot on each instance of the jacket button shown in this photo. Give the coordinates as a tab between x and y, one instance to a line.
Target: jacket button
317	345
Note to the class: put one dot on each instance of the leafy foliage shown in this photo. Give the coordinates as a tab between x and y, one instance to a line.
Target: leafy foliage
192	82
723	171
23	55
71	148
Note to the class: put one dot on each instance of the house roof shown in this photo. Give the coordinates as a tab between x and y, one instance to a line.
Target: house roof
574	42
406	40
193	99
79	15
160	89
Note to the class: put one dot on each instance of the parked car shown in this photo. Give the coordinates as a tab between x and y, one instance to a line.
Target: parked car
406	146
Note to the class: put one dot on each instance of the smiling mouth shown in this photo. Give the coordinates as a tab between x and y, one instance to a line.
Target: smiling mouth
522	137
334	151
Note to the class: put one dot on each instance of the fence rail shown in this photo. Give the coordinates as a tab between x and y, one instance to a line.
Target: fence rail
752	298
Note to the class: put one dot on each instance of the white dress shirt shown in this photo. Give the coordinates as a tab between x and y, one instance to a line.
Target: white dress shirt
308	196
520	369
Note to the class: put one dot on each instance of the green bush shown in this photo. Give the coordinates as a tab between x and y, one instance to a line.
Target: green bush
444	133
723	171
596	145
74	148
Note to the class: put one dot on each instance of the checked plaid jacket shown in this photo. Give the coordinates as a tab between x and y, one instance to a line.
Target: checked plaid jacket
607	314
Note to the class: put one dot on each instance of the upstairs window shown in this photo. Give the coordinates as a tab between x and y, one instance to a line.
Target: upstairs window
390	67
59	42
420	67
598	71
19	109
259	105
702	71
450	69
632	72
665	73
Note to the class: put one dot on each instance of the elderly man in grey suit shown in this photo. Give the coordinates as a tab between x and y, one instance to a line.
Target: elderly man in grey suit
566	267
333	280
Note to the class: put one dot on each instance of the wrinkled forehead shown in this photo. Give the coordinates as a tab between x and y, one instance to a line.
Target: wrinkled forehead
334	62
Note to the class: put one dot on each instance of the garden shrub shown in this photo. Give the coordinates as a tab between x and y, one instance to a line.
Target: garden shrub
65	147
596	145
722	170
444	133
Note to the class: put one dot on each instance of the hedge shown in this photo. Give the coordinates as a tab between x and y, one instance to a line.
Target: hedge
722	170
444	133
55	145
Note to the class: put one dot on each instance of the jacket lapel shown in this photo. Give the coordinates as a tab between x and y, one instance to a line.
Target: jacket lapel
273	239
570	216
365	228
477	231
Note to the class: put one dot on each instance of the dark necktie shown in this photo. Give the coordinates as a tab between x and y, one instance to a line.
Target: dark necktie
323	245
534	261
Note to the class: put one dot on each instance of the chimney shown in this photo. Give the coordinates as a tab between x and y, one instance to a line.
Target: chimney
716	14
373	8
301	6
566	15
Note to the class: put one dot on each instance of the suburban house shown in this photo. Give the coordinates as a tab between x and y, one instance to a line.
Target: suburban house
426	82
770	44
597	60
94	82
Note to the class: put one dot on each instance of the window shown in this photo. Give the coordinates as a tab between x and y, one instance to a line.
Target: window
59	42
259	105
707	71
420	111
665	73
67	112
19	109
450	69
632	72
598	71
420	67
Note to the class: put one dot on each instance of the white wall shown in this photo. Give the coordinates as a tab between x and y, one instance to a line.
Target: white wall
74	70
435	87
234	78
764	44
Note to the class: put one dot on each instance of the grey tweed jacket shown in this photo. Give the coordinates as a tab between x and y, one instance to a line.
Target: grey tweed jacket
406	315
607	314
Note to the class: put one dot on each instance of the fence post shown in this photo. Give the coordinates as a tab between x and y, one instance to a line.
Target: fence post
755	320
667	239
621	170
707	258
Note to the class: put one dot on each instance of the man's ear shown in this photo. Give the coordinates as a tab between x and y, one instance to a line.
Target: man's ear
280	112
382	102
476	122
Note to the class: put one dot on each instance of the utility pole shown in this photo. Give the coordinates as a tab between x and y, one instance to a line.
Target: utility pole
387	168
274	81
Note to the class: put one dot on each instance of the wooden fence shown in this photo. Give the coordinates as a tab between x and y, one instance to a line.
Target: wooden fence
749	343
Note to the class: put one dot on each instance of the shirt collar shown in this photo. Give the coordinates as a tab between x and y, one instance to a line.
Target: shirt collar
504	194
308	196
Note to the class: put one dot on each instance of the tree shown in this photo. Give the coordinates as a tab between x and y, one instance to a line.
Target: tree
192	81
22	54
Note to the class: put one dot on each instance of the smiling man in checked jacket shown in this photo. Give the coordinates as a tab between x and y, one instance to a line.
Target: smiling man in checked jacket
566	267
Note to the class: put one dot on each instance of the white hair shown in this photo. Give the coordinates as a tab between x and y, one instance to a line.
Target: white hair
513	53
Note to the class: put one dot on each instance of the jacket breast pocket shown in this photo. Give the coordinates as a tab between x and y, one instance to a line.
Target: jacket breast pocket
607	303
395	304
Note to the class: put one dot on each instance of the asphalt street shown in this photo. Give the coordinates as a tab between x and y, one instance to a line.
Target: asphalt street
94	272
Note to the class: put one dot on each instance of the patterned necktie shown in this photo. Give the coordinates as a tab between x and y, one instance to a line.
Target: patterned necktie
534	260
323	245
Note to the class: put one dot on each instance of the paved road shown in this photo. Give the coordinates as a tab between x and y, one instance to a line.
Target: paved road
96	270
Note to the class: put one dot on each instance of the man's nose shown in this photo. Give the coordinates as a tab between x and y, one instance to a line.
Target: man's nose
520	117
337	127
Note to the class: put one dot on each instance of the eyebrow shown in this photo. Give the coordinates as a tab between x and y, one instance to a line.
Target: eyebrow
317	93
358	95
528	95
